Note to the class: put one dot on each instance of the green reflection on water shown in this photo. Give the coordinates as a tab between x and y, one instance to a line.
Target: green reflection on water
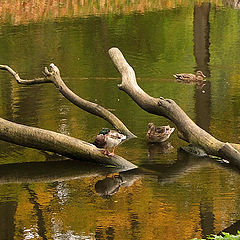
157	44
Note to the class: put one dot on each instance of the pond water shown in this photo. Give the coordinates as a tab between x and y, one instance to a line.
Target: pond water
172	195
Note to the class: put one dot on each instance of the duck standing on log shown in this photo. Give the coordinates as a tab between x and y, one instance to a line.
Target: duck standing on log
158	134
108	139
199	76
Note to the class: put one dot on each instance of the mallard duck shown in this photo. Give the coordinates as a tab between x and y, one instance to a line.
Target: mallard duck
108	139
158	134
199	76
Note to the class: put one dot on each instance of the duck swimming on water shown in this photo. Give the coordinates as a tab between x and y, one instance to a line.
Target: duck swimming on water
158	134
199	76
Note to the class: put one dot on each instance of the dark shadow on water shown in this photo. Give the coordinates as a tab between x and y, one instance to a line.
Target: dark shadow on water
37	211
113	181
7	225
51	171
110	185
201	38
154	149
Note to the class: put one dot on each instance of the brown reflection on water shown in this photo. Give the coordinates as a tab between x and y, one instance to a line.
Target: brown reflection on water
71	198
201	32
21	12
7	225
173	195
156	149
201	29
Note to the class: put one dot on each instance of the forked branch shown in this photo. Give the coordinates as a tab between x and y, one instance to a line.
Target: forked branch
53	76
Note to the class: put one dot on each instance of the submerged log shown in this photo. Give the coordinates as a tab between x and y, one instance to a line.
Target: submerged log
187	129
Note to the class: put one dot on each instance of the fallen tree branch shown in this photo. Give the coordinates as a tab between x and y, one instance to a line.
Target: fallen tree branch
53	76
55	142
22	81
188	130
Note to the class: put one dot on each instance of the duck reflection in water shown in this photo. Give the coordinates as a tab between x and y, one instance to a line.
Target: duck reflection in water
113	182
199	84
159	148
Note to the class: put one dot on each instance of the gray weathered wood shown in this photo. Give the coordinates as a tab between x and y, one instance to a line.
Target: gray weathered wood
187	129
53	76
59	143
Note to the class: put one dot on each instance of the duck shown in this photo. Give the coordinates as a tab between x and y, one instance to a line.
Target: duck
109	139
158	134
199	76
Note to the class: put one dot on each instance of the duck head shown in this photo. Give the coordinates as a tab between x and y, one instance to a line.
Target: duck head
200	74
104	131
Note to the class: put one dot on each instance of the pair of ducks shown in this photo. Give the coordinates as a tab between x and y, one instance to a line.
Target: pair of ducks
110	138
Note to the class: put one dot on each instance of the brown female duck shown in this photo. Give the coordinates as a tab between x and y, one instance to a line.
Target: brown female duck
158	134
199	76
108	139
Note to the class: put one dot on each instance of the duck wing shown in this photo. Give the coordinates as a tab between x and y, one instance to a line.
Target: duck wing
114	138
100	141
184	76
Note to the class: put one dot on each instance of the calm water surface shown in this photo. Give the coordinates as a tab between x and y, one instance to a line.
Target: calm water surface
172	195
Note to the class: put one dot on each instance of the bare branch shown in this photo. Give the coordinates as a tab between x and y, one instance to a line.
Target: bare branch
53	76
189	131
23	81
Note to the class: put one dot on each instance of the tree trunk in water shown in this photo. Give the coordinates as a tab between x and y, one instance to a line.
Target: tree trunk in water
187	129
58	143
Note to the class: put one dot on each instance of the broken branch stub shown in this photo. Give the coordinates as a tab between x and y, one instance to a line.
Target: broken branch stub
188	130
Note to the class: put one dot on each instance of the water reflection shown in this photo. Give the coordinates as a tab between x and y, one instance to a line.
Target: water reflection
7	226
232	229
173	195
201	35
155	149
49	171
112	184
33	198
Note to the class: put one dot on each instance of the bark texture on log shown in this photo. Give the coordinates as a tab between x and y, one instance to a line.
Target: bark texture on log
53	76
55	142
187	129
